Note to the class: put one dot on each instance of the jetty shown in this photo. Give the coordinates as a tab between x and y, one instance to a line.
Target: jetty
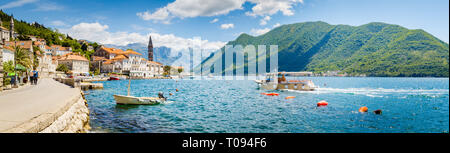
90	86
49	106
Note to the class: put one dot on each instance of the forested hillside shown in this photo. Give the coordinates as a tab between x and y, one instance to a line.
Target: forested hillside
374	49
52	36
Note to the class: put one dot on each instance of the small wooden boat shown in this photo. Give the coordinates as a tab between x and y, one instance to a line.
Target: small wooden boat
131	100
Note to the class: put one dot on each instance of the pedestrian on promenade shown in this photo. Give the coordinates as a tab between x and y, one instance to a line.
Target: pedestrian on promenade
32	77
35	76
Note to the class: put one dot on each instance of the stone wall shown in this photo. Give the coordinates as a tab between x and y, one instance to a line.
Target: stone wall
74	120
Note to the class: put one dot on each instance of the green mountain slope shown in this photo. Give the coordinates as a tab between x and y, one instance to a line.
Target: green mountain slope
51	36
374	49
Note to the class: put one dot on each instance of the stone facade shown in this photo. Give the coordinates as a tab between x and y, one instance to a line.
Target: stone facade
76	63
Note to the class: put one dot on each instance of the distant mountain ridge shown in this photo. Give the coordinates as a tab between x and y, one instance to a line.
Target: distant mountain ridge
374	49
161	54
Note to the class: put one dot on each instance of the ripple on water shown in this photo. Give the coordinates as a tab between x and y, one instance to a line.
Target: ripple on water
408	104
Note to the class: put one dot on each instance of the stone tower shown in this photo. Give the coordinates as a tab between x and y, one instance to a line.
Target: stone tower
150	49
11	31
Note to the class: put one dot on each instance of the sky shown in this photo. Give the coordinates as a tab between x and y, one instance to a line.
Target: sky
212	23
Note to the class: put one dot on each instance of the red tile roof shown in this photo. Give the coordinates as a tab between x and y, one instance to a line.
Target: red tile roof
73	56
23	44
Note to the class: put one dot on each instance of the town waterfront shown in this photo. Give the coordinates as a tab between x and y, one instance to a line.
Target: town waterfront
410	105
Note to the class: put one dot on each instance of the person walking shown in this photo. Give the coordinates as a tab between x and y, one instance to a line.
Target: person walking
35	77
32	78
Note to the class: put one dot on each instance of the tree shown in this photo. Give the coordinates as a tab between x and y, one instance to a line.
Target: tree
22	57
62	68
84	47
8	67
166	70
180	70
97	71
37	52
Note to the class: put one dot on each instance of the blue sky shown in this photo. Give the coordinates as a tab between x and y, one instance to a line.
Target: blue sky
172	22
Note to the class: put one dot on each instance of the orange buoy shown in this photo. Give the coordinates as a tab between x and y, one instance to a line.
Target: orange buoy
170	94
290	97
263	93
363	109
273	94
322	103
378	112
177	90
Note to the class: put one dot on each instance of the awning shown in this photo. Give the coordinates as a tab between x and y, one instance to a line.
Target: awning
20	67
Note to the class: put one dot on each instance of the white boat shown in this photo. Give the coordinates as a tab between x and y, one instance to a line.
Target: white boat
131	100
273	82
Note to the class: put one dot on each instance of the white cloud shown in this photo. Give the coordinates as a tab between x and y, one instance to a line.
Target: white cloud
264	20
192	8
58	23
276	25
16	3
142	28
48	6
270	7
227	26
214	21
161	15
257	32
99	33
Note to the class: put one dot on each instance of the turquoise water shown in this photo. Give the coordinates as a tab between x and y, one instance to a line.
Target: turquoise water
419	105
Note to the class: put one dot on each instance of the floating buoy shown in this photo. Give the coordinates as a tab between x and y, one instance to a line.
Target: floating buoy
363	109
177	90
272	94
170	94
263	93
322	103
290	97
378	111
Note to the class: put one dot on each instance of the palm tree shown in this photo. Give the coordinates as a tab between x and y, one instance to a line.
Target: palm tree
22	57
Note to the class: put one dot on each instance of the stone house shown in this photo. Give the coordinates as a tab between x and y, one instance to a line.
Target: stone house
76	63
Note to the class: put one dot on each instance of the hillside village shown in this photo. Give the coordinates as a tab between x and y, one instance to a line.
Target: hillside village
56	60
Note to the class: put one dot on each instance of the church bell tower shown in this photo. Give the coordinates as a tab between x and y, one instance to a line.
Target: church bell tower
150	49
11	30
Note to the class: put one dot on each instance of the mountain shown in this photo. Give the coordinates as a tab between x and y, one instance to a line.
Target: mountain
374	49
161	54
